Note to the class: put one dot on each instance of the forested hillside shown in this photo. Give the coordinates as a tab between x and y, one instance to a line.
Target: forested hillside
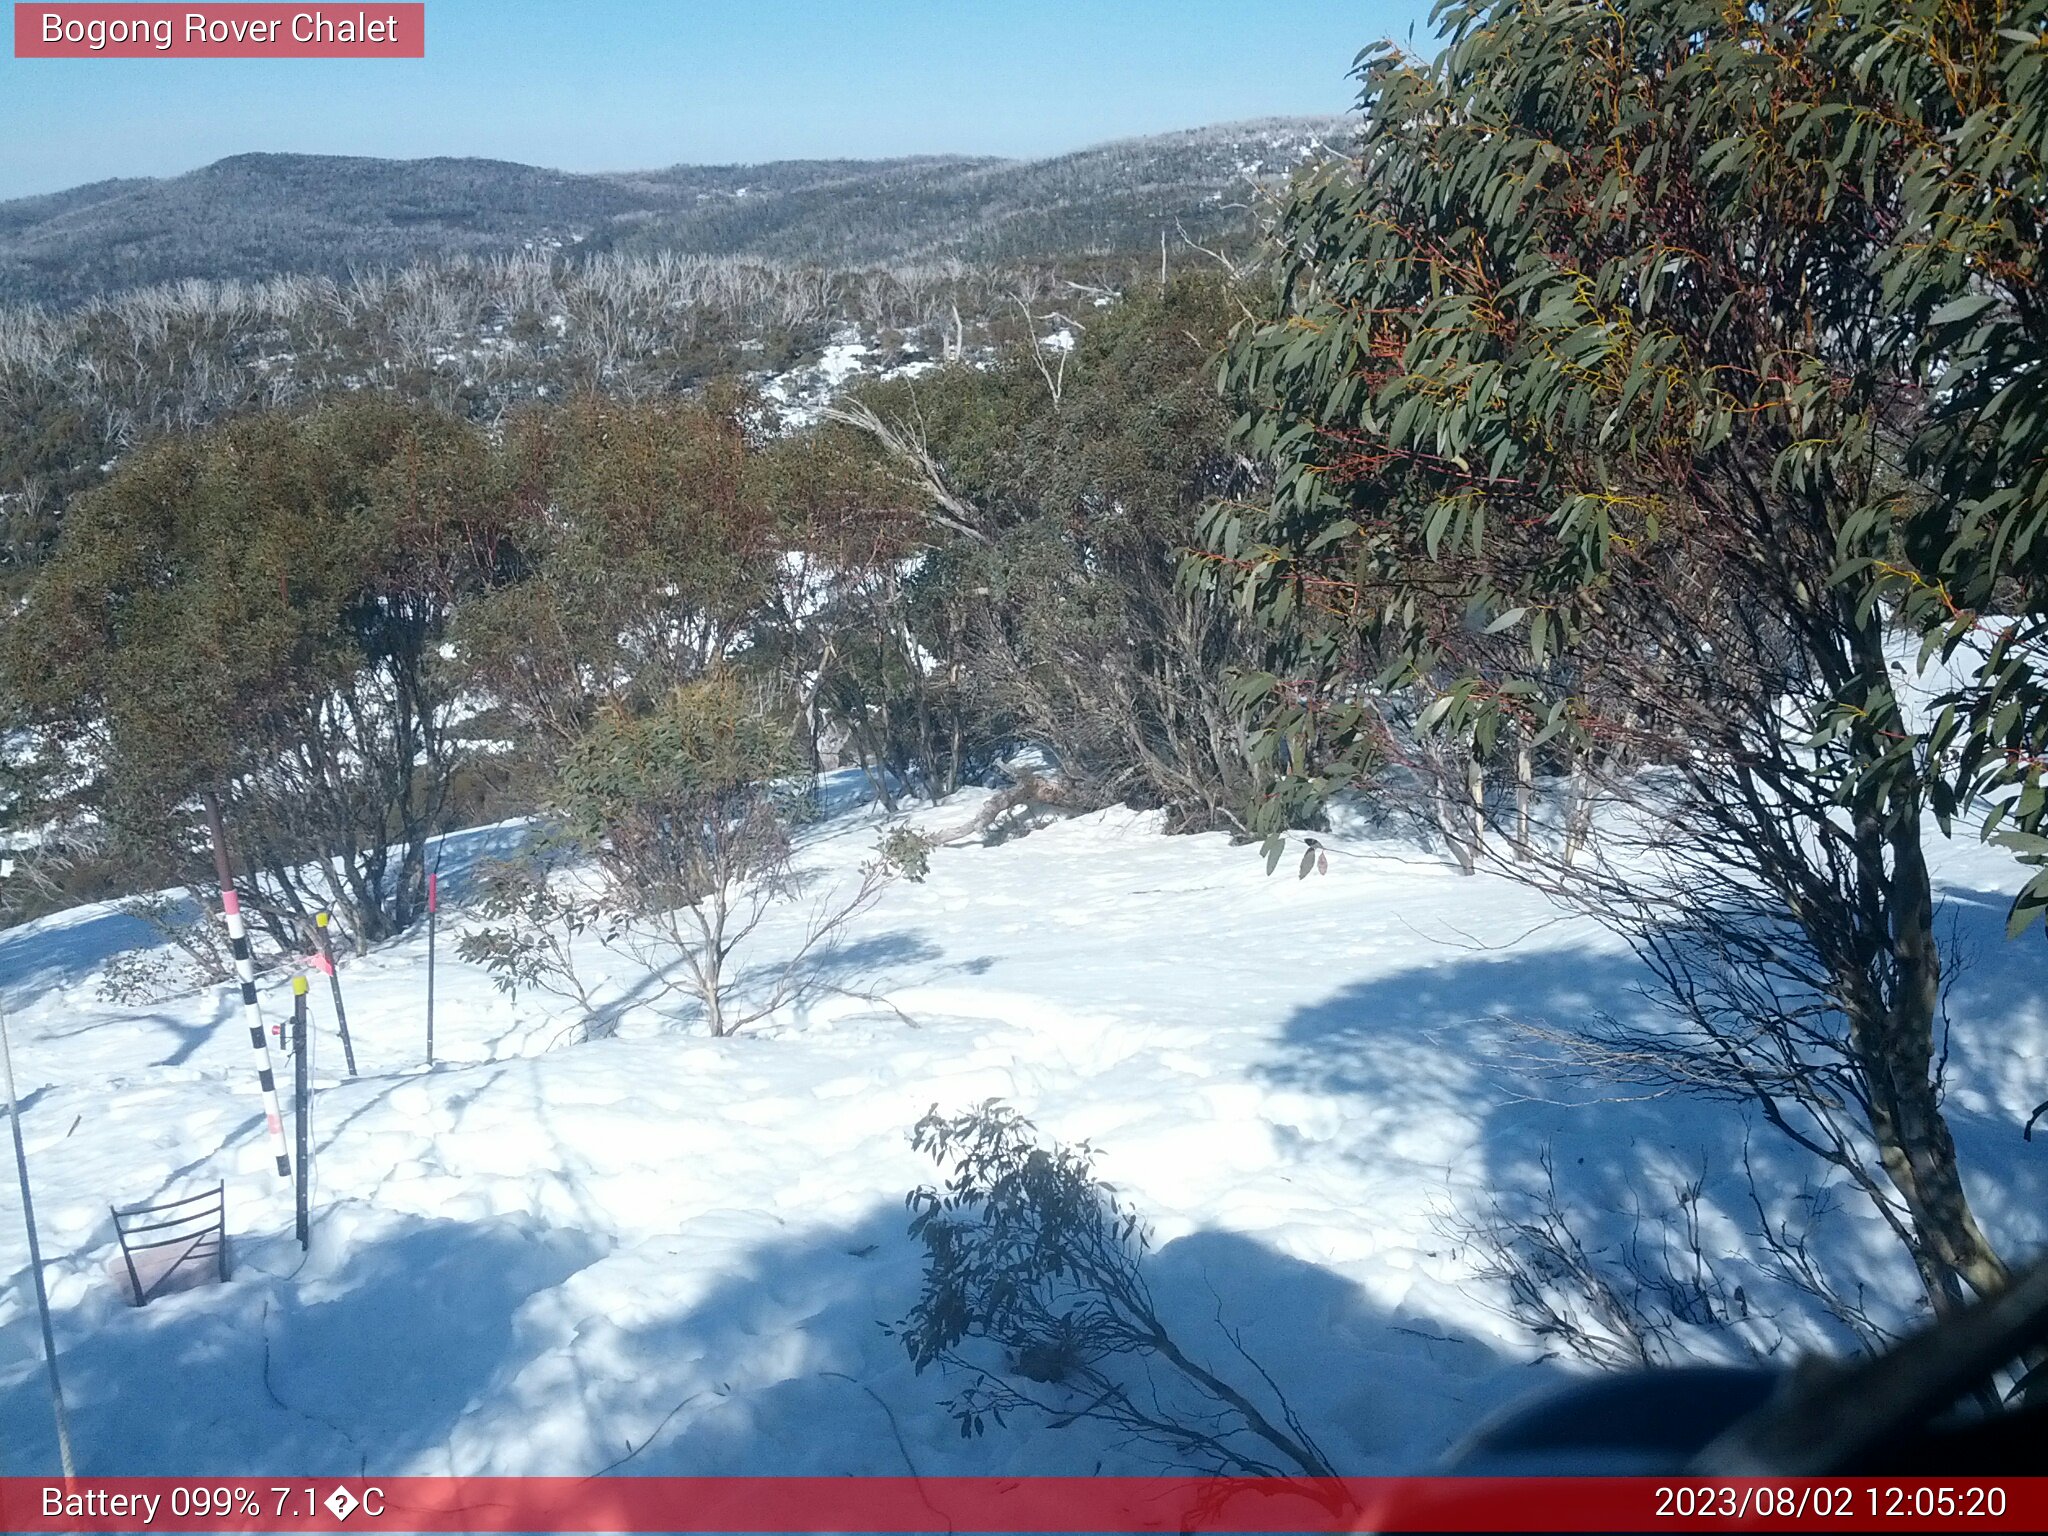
259	215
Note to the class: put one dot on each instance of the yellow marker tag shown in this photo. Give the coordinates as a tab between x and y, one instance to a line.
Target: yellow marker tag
320	920
299	985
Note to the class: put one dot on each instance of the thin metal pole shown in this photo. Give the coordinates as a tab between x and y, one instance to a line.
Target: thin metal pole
323	940
35	1257
433	916
302	1099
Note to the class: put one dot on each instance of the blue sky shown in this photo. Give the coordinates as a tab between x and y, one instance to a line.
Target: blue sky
621	84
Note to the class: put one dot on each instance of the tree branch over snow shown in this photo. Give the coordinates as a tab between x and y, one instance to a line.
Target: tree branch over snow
904	441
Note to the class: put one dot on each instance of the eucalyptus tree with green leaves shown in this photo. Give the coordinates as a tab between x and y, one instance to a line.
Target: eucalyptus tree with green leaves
256	611
1967	261
1657	365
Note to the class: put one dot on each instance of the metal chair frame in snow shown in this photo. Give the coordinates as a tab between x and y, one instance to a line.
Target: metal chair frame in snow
195	1237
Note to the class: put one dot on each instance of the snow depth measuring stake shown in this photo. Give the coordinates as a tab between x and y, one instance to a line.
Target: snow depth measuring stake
35	1257
245	972
323	944
433	912
302	1099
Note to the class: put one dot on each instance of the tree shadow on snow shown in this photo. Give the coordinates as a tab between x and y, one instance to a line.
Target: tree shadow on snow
190	1037
735	1346
366	1367
66	948
457	857
851	960
777	1363
892	960
1409	1050
1997	1070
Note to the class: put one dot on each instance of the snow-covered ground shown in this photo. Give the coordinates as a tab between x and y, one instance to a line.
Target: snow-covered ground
679	1249
799	396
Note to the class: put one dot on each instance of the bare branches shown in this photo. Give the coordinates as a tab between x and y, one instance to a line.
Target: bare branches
1029	1252
1624	1304
904	441
1789	1255
1235	271
1050	359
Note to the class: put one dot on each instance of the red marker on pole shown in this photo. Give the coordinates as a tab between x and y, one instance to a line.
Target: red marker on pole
324	959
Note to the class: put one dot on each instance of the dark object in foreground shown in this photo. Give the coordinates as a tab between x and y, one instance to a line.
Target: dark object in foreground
1928	1407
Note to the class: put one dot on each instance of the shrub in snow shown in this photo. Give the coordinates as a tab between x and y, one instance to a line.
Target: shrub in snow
1029	1253
908	850
151	974
688	811
530	925
255	613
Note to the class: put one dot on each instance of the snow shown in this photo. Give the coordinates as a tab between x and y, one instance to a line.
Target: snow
674	1253
799	395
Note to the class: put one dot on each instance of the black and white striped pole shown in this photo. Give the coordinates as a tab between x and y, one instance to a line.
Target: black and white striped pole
245	973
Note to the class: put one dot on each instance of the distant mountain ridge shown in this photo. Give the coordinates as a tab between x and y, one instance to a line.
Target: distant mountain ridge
255	215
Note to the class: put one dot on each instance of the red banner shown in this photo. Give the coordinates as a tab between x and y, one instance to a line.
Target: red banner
1048	1504
243	31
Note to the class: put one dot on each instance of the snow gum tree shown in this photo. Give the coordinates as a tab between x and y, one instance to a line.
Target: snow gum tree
864	629
689	809
638	552
1655	365
256	611
1059	486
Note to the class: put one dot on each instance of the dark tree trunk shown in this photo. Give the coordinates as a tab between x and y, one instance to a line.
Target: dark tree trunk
1893	1045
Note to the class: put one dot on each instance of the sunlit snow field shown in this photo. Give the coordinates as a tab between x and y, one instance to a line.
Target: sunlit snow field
672	1254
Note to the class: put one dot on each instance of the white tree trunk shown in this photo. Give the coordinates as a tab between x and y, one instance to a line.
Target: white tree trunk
1525	788
1578	824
